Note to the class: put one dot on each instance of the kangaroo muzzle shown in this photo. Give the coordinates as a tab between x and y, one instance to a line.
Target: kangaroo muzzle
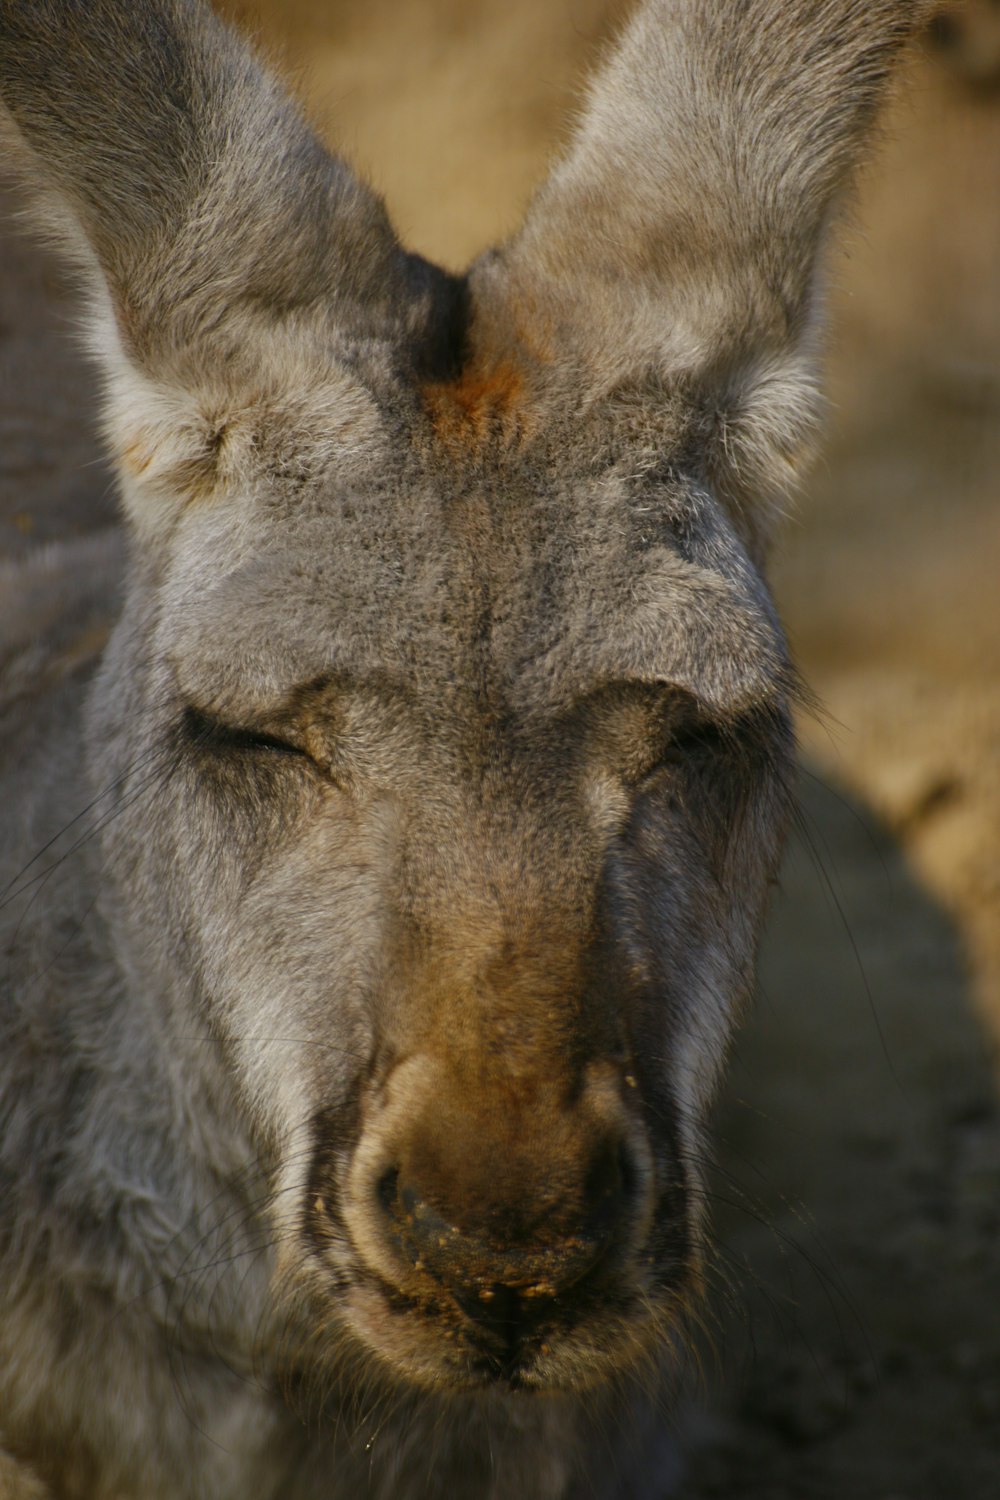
515	1200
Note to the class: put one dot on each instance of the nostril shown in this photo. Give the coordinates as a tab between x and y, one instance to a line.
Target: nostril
629	1174
610	1190
387	1191
414	1225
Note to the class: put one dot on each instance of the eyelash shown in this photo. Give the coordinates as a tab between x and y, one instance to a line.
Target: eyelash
691	745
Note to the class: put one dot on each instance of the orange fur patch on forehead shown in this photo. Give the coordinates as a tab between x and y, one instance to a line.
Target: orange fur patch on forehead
482	404
510	348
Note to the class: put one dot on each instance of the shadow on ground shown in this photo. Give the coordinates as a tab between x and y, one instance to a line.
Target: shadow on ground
857	1196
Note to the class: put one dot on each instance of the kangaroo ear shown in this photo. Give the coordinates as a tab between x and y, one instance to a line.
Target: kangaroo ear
234	265
675	248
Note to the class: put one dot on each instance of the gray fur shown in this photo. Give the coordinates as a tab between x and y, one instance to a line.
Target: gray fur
411	820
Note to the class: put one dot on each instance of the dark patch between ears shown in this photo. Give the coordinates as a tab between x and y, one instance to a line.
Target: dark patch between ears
441	345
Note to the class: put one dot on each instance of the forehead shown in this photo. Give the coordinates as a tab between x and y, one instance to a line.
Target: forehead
539	586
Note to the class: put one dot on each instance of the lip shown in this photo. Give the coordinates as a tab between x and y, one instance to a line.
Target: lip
434	1344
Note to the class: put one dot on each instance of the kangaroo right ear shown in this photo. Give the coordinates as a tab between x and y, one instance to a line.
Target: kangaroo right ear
234	265
671	257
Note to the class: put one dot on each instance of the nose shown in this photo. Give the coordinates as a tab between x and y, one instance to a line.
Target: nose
506	1249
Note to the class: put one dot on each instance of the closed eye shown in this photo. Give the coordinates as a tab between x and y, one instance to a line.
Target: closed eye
697	737
724	756
207	732
663	731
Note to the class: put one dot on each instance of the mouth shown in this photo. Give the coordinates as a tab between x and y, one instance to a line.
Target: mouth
625	1316
534	1346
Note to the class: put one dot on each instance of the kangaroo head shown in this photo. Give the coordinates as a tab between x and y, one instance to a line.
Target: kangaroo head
448	713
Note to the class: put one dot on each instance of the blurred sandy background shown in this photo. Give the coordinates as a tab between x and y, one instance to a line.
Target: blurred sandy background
859	1179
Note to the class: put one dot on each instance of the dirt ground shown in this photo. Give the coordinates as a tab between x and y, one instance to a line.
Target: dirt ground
857	1344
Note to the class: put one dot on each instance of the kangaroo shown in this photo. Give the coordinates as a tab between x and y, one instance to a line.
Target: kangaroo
390	813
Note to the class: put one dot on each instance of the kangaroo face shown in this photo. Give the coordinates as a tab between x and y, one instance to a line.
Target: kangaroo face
464	832
442	747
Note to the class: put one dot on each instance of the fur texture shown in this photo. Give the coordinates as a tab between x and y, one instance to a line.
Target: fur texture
384	875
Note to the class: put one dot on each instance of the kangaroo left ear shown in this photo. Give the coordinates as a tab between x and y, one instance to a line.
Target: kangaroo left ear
672	255
236	271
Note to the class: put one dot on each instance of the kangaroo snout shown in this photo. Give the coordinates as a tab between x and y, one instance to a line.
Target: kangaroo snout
475	1235
517	1200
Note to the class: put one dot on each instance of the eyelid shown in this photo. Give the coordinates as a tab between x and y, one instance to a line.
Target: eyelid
204	729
